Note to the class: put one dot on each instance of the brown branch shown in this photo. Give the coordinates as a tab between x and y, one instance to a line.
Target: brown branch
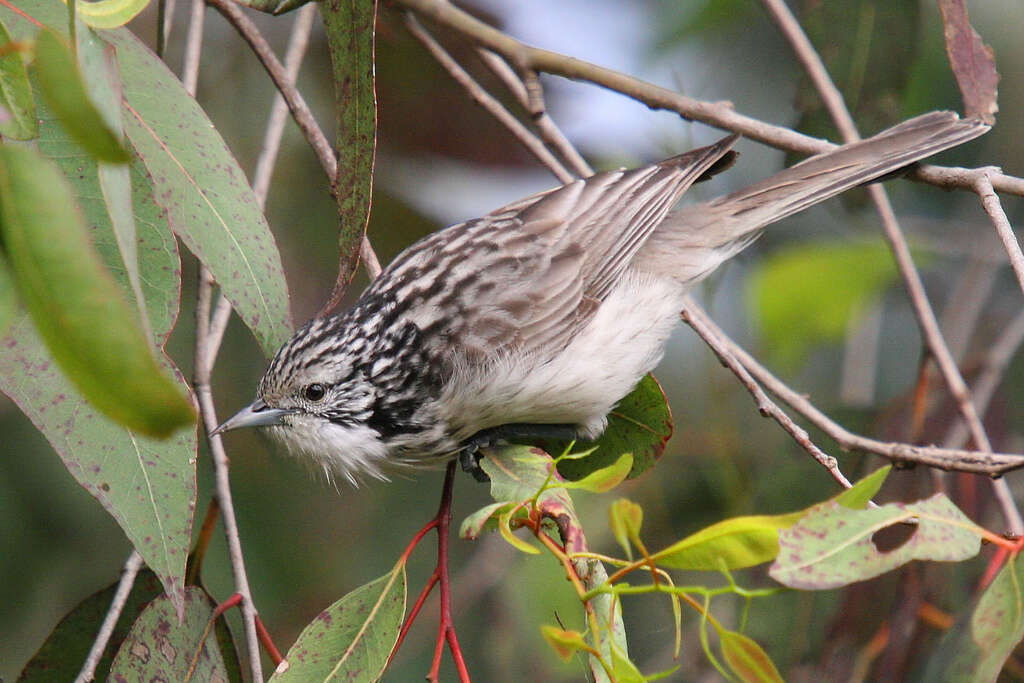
120	599
953	459
927	320
530	141
994	209
296	103
720	115
694	317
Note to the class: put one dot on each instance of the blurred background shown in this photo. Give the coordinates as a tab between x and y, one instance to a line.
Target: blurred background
442	159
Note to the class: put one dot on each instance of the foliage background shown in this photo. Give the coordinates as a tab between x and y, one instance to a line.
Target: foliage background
441	159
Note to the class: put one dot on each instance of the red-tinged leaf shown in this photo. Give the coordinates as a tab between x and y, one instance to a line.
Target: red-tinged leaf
352	639
746	658
350	28
833	545
62	86
641	424
973	62
564	643
625	518
474	524
159	647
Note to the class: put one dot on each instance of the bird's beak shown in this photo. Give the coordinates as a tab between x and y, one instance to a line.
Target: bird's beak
256	414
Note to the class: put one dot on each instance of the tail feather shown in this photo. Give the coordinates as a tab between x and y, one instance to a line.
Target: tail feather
708	233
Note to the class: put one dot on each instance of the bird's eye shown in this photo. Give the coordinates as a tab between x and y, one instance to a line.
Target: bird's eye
314	392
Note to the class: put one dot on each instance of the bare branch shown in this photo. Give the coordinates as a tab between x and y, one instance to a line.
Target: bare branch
124	589
530	141
721	115
994	209
696	318
942	458
292	97
927	321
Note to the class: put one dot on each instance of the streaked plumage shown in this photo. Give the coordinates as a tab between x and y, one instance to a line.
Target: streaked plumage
546	311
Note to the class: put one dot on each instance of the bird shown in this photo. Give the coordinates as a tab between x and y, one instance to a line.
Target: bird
535	320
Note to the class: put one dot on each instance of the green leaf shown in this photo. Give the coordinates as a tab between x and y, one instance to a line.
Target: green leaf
505	528
76	305
8	298
108	13
623	669
641	424
160	647
981	641
606	478
60	657
209	203
474	524
350	28
833	545
62	86
564	643
352	639
730	544
19	123
860	494
746	658
806	295
625	518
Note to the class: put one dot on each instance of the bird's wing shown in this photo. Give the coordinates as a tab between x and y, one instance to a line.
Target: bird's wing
529	275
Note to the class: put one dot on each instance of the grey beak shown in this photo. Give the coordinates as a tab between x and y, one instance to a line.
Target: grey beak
256	414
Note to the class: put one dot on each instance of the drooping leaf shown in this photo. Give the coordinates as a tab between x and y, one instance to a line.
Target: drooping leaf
730	544
352	639
209	203
61	83
60	657
351	28
108	13
16	99
833	545
973	63
641	424
806	295
564	643
625	519
747	659
74	302
981	641
474	525
160	648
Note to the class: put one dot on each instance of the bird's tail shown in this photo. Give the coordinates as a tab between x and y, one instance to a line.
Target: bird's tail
708	233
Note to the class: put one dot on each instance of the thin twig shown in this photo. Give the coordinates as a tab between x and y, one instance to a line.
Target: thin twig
994	209
721	115
927	320
294	54
695	318
496	109
549	131
124	589
943	458
296	104
204	358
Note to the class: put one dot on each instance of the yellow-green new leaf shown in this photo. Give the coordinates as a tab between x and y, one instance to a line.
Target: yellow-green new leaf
76	306
625	518
730	544
606	478
857	496
62	86
108	13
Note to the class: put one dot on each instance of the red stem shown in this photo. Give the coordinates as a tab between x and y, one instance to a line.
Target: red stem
446	628
414	612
